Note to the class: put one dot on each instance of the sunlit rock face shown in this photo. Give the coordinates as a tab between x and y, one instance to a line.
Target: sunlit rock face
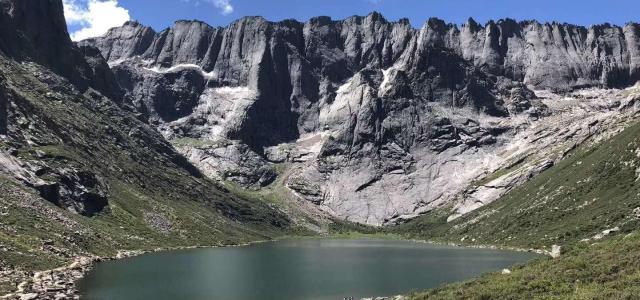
377	121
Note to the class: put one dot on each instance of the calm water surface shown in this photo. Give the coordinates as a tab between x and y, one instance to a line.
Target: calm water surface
307	269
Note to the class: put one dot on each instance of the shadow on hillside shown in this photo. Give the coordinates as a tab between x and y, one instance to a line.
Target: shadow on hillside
3	114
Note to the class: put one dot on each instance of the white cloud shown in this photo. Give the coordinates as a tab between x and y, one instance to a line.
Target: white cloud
196	3
94	17
224	5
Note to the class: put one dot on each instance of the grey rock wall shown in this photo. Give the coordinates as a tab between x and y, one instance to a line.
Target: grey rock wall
377	120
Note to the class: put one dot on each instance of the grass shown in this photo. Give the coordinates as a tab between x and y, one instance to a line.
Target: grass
144	174
23	231
193	142
499	173
608	269
592	190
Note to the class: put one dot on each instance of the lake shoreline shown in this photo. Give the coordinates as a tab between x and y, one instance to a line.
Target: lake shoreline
61	283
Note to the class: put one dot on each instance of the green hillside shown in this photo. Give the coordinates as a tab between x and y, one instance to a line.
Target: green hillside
606	270
593	190
155	197
596	189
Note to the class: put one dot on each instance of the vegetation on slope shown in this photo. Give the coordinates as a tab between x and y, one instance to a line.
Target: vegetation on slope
605	270
575	204
593	190
155	197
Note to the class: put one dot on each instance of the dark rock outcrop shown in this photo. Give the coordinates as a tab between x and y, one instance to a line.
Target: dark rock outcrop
79	191
161	98
101	76
35	30
3	111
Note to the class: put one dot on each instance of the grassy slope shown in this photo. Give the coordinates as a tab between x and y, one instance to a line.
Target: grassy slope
156	199
606	270
593	190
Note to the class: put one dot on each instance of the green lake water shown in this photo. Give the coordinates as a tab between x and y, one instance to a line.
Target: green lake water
298	269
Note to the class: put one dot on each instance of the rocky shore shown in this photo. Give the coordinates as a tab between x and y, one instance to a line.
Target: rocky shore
52	284
60	283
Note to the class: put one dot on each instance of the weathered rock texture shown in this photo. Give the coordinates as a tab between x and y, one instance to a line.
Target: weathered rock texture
378	121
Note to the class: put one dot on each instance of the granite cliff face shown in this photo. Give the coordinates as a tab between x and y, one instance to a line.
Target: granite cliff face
376	121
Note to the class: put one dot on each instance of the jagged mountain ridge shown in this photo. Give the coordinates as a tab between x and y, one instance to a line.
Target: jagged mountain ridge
605	54
335	50
378	121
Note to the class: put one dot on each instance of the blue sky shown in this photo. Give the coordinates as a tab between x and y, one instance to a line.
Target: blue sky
162	13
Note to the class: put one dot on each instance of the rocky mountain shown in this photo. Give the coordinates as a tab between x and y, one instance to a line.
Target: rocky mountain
509	133
374	121
37	32
80	175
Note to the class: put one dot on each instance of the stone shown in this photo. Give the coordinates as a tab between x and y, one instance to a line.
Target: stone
605	233
61	296
556	251
81	191
40	154
29	296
